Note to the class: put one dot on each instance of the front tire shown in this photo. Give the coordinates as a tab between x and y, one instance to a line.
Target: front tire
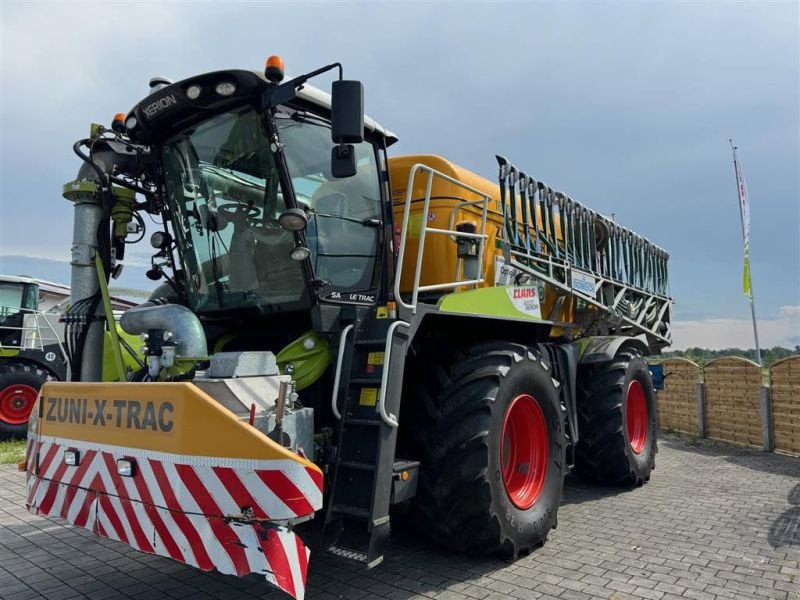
19	387
492	450
617	421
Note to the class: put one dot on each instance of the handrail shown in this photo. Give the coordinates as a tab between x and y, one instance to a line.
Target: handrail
338	374
424	229
36	316
387	418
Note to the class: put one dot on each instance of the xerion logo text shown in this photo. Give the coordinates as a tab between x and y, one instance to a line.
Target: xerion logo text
122	414
161	104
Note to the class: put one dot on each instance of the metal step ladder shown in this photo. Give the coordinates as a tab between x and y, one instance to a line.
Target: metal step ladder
366	476
550	237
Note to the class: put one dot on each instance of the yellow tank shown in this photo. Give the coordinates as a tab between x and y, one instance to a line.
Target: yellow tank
439	259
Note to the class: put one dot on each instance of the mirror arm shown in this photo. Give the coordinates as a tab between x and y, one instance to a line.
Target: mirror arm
280	94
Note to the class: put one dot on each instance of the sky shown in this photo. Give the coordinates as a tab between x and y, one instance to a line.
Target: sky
627	107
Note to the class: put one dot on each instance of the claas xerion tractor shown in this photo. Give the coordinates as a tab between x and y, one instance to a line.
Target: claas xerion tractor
336	332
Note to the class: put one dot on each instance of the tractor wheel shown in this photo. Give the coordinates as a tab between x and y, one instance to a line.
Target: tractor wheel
19	387
491	444
617	421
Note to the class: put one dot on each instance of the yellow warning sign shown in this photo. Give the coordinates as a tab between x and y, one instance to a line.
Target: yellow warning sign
375	358
382	312
369	397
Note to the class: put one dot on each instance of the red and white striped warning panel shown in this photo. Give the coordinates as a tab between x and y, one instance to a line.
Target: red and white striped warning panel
228	514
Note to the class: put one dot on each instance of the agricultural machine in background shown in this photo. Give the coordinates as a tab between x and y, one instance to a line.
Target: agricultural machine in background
337	332
32	349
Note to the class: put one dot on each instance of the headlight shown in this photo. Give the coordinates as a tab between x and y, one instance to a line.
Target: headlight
160	240
226	88
126	467
293	219
193	92
300	253
71	457
131	122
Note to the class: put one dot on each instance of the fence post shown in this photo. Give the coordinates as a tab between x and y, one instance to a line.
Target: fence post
701	410
767	430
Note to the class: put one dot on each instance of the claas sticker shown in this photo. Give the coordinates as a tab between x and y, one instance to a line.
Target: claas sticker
137	415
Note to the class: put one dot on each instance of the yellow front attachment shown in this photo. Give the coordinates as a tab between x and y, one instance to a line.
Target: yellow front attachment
166	469
178	418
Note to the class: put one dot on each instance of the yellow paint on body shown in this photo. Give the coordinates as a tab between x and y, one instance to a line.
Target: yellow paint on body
160	417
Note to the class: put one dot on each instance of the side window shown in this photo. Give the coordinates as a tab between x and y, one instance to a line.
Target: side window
10	299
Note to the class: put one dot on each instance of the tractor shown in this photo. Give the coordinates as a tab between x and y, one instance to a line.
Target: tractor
338	337
31	350
32	347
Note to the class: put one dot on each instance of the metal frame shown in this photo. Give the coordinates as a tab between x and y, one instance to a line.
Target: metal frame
388	418
629	272
602	284
424	230
338	373
39	341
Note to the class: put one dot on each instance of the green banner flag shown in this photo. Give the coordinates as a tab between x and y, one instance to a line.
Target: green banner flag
744	208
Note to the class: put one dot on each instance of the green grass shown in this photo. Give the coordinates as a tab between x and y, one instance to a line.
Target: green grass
12	452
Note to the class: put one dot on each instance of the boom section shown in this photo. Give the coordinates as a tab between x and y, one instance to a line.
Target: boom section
618	275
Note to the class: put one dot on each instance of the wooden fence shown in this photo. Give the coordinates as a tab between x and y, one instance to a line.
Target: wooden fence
729	399
677	402
784	392
732	398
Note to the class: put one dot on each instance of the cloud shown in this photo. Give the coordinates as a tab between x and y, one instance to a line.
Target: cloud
716	334
602	101
790	311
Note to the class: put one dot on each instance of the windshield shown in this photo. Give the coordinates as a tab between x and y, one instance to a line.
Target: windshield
344	213
223	188
10	298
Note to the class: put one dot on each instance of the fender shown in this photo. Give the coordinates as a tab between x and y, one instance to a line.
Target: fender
603	348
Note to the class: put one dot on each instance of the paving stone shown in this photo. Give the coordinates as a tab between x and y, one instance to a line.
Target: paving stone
703	528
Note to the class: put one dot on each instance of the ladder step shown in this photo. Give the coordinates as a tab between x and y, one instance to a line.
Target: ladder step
352	464
365	381
352	511
405	465
363	422
349	554
374	343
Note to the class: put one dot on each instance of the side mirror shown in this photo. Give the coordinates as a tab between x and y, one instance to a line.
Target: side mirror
343	161
347	112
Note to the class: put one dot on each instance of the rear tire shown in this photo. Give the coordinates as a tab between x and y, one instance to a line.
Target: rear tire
19	387
616	421
489	433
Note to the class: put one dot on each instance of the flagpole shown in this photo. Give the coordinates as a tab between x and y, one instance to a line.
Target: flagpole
743	200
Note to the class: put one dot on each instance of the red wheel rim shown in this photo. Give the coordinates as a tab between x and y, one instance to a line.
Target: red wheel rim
524	449
636	413
16	403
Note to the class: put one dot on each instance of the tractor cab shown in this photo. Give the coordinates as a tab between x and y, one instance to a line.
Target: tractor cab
18	296
262	217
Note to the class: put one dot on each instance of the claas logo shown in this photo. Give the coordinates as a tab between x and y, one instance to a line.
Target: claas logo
99	412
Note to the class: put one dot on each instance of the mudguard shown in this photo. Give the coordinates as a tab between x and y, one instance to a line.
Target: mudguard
599	349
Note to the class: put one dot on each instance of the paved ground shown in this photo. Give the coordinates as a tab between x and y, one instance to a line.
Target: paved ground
716	521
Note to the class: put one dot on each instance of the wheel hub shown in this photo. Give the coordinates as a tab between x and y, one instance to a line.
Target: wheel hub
636	416
524	451
16	403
